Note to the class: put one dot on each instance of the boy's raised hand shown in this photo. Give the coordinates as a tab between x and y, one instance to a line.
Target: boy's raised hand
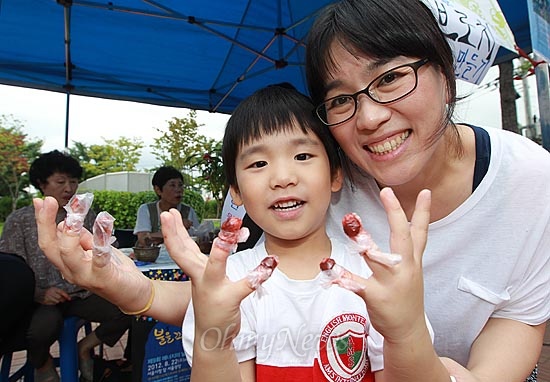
216	299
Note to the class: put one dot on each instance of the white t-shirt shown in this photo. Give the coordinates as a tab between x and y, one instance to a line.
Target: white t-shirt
143	219
300	329
490	257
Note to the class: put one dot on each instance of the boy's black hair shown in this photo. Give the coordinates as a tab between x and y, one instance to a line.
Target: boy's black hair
164	174
49	163
270	110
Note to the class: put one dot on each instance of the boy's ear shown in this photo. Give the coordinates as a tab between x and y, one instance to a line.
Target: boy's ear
337	181
235	195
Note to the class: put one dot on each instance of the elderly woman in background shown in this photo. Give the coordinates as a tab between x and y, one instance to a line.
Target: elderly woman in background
168	185
57	174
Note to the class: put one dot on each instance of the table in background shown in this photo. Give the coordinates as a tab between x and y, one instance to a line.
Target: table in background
157	352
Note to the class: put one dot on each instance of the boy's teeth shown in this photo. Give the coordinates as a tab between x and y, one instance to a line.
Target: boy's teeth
390	145
286	205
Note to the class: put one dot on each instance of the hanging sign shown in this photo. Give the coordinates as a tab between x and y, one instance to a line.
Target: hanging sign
474	40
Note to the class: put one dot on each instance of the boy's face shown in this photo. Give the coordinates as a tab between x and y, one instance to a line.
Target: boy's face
285	184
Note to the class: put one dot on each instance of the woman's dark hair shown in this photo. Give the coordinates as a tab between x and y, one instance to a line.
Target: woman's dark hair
273	109
164	174
49	163
381	30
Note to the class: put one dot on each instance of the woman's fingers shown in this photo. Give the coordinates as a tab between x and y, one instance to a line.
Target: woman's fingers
400	233
420	222
45	212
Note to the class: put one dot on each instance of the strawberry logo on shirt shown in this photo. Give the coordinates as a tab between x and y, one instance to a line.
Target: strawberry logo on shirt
343	349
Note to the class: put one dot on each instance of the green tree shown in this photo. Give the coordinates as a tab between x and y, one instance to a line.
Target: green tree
196	156
212	176
120	154
179	143
17	152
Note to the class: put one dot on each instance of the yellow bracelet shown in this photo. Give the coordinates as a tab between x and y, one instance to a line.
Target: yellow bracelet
147	306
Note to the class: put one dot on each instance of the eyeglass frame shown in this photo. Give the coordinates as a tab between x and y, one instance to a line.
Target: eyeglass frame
414	65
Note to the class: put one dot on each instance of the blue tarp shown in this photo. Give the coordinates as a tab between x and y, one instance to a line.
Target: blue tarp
200	54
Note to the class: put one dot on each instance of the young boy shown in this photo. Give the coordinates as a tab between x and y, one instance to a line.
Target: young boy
283	165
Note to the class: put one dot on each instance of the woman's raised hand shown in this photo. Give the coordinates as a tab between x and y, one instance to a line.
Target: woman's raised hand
119	282
394	293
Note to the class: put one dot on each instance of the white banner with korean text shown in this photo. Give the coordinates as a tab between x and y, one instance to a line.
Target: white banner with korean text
476	29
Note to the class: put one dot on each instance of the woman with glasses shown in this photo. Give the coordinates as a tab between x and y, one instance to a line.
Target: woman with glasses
381	74
168	185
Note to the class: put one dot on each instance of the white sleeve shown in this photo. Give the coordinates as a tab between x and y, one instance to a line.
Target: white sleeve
193	217
245	343
528	299
143	220
188	333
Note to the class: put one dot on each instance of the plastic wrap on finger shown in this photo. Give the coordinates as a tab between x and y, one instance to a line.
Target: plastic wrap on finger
102	235
77	208
332	273
231	234
362	242
261	273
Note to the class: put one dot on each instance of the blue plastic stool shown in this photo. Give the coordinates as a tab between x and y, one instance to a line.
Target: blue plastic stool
68	348
26	371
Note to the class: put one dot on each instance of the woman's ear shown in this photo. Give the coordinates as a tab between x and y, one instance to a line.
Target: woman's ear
337	180
157	190
236	195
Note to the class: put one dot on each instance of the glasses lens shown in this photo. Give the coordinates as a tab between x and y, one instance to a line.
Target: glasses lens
393	85
390	86
336	110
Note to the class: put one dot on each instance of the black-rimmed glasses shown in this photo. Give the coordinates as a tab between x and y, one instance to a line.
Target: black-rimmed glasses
390	86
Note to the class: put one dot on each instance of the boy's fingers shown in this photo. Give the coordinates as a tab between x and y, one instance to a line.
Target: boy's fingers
182	249
216	265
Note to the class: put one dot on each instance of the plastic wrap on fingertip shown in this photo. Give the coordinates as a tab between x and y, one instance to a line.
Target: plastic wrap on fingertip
334	274
261	273
362	242
102	236
231	234
77	208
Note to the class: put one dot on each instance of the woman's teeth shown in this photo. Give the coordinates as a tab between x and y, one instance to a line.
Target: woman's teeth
389	146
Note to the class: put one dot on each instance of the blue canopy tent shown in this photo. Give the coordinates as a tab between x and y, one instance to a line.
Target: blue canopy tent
198	54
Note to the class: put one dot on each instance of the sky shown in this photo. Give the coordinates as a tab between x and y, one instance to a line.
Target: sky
42	114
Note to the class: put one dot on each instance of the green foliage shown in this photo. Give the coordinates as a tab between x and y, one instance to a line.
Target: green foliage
120	154
195	200
17	152
179	142
212	177
196	156
211	209
6	204
123	205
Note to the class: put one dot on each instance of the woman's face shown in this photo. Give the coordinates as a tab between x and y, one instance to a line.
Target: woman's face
172	192
389	141
60	186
